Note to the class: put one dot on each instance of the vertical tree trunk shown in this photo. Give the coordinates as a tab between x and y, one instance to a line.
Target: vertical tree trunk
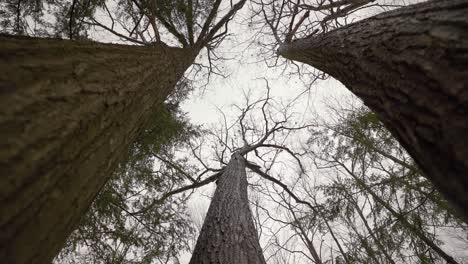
410	66
68	111
228	234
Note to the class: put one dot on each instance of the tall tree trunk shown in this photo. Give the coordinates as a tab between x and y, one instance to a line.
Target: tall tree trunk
68	112
228	234
410	66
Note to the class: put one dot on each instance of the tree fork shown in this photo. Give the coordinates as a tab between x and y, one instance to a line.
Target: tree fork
410	66
228	234
68	112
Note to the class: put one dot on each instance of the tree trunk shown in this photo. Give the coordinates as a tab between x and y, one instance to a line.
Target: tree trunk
228	234
68	112
410	66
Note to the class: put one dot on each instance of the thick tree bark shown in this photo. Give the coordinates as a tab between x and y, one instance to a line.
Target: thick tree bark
228	234
410	66
68	112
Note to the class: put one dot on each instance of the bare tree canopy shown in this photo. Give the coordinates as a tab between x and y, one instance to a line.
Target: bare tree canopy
348	193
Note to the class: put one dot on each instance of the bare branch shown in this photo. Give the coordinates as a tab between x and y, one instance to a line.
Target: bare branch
204	38
195	185
256	169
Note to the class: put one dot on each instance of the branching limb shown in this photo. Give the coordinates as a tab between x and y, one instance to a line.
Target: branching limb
289	151
257	170
291	33
95	23
195	185
175	166
205	37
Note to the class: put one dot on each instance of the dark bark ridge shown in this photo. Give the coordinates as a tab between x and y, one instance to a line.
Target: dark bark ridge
228	234
410	66
68	112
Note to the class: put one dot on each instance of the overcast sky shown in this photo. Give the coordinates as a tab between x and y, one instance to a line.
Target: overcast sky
245	73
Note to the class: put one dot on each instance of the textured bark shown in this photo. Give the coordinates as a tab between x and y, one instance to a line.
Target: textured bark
410	66
68	111
228	234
